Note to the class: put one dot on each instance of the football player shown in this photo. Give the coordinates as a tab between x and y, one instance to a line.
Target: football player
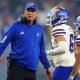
62	51
76	67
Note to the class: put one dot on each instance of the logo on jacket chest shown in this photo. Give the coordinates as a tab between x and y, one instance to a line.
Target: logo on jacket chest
37	34
21	32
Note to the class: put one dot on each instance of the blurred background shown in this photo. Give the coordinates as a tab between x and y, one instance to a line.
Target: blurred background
11	10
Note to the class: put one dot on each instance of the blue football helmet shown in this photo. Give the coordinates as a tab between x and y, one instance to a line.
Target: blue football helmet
57	15
77	23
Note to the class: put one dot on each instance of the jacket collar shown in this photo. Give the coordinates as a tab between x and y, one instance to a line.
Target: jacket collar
24	20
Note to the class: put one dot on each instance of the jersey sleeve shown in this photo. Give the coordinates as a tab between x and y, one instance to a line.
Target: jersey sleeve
77	40
58	31
6	39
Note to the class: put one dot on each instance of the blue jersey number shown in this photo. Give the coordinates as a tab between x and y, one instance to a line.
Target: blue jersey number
71	46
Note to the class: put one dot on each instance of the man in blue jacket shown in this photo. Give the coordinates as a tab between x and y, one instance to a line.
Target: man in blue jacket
27	46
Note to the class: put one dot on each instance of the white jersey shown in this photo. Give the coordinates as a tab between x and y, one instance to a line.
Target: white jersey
68	58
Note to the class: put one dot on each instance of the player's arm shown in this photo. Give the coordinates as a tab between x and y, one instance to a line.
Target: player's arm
77	63
62	46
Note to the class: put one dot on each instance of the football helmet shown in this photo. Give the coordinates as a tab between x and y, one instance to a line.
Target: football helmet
57	15
77	23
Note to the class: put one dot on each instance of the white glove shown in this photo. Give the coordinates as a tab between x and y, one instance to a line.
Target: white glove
48	52
71	78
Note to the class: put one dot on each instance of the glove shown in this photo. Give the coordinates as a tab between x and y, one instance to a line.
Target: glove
48	52
71	78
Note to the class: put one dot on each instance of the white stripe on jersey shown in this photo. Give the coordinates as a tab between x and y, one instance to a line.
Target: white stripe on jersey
77	41
58	32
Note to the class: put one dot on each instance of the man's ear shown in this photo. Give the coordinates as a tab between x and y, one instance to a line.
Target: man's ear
36	13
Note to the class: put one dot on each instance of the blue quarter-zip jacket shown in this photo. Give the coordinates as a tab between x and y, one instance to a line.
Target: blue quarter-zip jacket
27	45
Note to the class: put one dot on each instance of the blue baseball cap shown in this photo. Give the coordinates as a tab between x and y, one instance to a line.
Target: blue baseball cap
31	5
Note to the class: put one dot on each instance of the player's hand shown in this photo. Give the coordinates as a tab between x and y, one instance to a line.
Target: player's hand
48	74
1	59
71	78
48	52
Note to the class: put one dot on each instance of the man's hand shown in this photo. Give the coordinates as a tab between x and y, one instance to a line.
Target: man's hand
1	60
49	73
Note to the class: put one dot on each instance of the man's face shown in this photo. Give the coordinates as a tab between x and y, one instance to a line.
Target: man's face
30	14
